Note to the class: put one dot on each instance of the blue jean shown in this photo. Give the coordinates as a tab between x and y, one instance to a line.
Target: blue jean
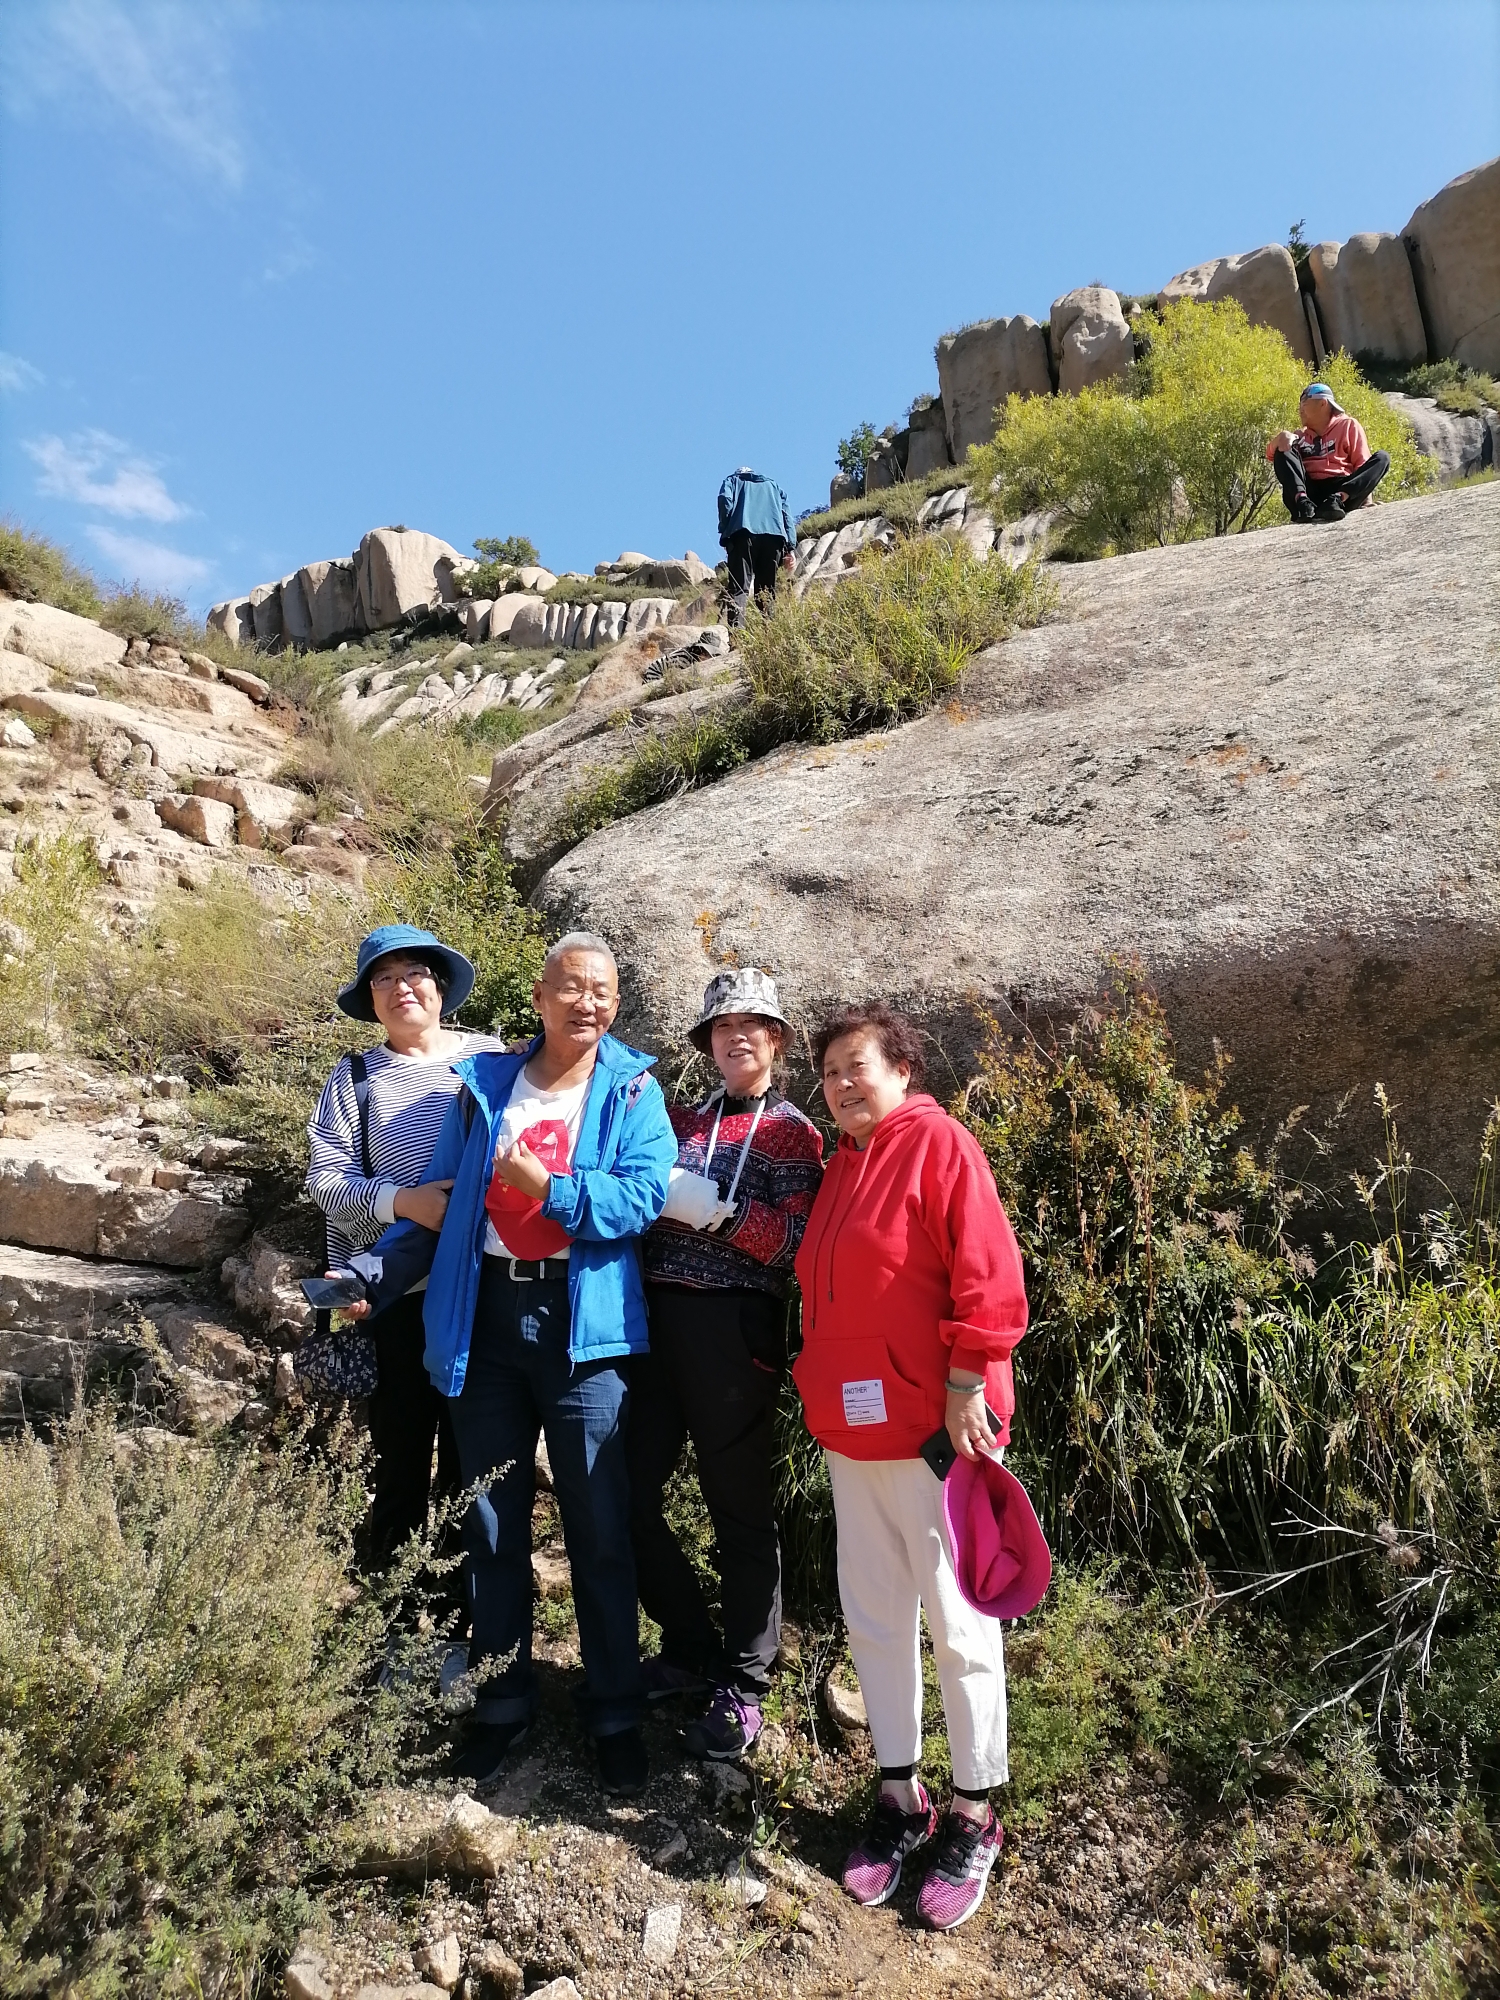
520	1382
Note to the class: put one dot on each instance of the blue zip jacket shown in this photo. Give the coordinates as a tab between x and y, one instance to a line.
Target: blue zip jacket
626	1151
751	503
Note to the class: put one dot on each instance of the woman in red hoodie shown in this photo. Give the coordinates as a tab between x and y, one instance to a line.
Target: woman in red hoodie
912	1300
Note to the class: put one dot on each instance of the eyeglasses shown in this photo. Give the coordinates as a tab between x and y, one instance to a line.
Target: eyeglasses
601	990
396	975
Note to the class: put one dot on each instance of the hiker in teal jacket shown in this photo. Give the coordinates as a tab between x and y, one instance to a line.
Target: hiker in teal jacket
558	1159
757	532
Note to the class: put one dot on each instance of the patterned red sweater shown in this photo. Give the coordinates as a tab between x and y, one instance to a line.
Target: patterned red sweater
782	1174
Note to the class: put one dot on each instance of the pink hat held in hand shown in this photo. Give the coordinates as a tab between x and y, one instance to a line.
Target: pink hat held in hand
999	1550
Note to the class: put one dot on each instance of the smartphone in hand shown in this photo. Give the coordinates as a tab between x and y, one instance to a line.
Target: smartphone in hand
940	1451
329	1294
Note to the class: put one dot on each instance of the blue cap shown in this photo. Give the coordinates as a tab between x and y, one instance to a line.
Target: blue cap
1318	389
355	999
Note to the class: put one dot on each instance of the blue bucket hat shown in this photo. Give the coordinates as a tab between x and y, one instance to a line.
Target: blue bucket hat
355	999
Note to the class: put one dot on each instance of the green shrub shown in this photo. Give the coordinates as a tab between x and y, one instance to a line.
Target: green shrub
502	558
1151	1409
607	590
54	934
1176	448
1453	385
187	1705
885	644
152	615
854	451
411	787
465	897
33	568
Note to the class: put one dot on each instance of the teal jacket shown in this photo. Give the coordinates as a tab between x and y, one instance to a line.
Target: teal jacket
626	1151
752	504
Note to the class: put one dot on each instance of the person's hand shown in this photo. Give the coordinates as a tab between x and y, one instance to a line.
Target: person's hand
361	1307
789	560
427	1204
520	1168
968	1426
1282	440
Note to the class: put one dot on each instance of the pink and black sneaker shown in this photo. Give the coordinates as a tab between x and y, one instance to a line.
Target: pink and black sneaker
872	1873
966	1852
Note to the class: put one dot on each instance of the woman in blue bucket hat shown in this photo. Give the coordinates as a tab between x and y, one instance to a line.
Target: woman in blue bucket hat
372	1138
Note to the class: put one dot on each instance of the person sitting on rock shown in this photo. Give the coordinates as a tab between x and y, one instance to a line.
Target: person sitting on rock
559	1155
1327	467
757	532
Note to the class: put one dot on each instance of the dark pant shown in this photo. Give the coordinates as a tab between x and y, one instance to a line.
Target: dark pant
520	1382
1297	484
712	1375
406	1415
754	564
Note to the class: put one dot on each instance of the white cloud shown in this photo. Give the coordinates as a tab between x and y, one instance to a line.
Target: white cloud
98	470
16	375
150	563
166	66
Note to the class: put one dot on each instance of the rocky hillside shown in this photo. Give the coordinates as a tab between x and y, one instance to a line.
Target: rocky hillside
1265	765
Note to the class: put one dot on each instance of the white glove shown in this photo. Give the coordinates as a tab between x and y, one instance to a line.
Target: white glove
723	1212
693	1199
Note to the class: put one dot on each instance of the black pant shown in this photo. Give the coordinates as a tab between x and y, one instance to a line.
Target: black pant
713	1375
1299	485
406	1414
754	563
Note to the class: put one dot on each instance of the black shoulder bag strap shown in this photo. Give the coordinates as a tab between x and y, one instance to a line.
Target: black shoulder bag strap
359	1076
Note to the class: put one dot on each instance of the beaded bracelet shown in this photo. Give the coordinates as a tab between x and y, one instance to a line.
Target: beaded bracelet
963	1388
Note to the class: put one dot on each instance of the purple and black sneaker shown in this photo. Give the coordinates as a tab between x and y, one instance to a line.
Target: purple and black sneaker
966	1852
872	1874
727	1731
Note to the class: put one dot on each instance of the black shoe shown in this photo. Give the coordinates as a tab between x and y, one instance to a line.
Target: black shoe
624	1768
1303	511
486	1747
1334	508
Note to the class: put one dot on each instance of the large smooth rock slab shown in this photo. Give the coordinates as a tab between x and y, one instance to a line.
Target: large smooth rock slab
329	589
1299	839
399	570
255	748
1366	297
979	366
1091	340
1459	445
58	638
234	620
296	612
1265	283
1454	241
265	610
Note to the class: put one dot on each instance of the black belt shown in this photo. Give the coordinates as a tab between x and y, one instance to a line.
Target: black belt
535	1270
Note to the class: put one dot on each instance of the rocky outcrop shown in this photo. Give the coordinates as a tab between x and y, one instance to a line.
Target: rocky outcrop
58	639
927	434
1264	282
1366	299
1454	242
398	571
979	366
331	595
57	1193
1091	341
1300	842
234	620
1458	445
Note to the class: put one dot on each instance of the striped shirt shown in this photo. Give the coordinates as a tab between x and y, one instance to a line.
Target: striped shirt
409	1098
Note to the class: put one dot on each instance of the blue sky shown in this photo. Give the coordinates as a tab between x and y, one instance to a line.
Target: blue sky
274	274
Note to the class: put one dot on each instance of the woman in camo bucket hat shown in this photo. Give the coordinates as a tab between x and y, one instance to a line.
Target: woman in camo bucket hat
718	1284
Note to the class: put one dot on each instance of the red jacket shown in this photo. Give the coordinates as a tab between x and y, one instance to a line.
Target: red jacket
908	1268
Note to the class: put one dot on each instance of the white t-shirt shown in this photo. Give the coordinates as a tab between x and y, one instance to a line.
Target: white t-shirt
548	1120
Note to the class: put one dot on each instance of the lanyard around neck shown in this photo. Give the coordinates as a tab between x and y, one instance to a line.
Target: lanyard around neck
713	1140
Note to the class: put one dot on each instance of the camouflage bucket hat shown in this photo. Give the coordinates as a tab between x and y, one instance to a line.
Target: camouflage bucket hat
746	990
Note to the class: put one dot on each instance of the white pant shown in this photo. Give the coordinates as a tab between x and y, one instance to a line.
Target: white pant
894	1556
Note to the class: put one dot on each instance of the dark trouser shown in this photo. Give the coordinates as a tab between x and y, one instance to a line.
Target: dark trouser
520	1382
406	1415
1298	484
712	1375
754	564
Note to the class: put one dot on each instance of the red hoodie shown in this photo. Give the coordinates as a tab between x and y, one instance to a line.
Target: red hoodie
908	1268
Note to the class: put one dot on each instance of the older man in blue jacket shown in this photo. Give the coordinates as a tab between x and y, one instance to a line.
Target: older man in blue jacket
558	1159
757	532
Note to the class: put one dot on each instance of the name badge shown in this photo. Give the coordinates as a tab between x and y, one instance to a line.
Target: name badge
864	1402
